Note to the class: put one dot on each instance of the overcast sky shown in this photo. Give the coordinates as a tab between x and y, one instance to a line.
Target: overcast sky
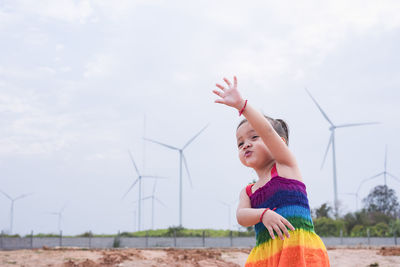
81	82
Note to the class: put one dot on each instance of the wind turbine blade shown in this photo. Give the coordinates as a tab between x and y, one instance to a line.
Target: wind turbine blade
6	195
187	170
62	209
22	196
320	109
195	137
367	179
131	187
150	140
134	164
52	213
391	175
159	201
355	124
147	197
327	149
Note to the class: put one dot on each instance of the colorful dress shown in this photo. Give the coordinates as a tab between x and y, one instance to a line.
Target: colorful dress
304	247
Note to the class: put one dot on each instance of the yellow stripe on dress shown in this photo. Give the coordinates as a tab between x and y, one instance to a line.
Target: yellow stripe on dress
298	237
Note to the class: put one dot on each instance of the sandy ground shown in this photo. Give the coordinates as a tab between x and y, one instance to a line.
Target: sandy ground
70	257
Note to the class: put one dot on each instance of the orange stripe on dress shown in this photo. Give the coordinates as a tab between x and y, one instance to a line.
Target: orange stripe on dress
289	257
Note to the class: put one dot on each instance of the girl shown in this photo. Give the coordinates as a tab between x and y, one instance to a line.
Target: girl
274	204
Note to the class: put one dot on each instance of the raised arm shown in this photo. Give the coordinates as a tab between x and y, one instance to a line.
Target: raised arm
230	96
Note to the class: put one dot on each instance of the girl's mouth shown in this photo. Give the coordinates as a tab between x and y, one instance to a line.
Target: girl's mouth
247	153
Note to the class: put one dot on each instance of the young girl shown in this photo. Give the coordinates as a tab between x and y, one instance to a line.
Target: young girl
277	202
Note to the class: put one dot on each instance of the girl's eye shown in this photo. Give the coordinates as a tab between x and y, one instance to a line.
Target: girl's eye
254	137
240	144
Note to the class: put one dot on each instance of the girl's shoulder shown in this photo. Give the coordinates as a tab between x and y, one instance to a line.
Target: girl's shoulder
248	189
288	172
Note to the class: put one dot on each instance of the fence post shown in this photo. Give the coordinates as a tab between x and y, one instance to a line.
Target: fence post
174	238
231	238
90	239
341	236
204	238
147	239
1	240
369	242
395	238
31	239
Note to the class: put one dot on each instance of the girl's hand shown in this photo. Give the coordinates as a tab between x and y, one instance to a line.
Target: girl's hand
230	96
274	221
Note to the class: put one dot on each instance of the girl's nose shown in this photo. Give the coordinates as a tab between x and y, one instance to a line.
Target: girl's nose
246	145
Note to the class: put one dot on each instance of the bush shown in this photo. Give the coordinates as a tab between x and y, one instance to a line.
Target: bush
380	230
358	230
329	227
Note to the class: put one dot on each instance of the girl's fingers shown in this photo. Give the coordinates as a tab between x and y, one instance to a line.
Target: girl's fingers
234	81
278	231
284	229
288	224
220	87
220	101
271	232
218	93
227	82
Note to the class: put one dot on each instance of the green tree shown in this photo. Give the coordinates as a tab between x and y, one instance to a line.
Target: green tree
323	211
382	199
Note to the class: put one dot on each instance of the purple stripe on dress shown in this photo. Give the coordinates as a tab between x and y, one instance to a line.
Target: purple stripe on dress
274	185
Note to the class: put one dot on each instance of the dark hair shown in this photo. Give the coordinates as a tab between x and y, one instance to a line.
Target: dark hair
280	126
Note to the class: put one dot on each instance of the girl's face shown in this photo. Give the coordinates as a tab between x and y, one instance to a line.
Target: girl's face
252	150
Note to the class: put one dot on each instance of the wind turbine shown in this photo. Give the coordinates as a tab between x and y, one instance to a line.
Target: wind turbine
229	206
332	142
181	158
139	179
59	214
12	206
384	173
153	197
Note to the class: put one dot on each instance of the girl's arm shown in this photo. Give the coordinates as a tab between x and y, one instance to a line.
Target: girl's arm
247	216
287	162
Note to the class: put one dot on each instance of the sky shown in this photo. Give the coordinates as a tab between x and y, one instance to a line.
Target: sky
82	82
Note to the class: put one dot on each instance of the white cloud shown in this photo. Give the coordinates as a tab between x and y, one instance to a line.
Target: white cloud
100	66
67	10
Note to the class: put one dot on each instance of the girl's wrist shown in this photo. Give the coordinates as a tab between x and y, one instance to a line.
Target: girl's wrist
240	104
262	214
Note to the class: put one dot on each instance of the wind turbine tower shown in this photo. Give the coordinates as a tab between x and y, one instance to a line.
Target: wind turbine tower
59	214
182	158
139	179
12	207
331	142
153	197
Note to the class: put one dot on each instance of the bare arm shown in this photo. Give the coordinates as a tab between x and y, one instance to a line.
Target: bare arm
247	216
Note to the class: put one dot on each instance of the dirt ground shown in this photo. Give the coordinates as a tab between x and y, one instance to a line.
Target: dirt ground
71	257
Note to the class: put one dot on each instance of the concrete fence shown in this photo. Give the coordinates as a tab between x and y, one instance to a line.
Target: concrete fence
13	243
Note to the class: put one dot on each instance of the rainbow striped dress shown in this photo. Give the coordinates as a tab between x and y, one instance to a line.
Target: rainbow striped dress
304	247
